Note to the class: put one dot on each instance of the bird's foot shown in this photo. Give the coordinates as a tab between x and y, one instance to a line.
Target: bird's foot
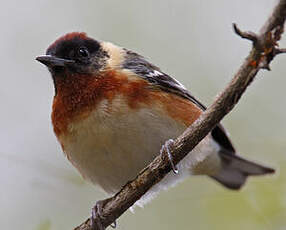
170	157
96	216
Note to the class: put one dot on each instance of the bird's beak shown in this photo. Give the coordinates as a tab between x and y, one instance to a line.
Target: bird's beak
51	61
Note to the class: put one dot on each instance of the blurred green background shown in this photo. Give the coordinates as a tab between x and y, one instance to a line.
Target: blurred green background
189	39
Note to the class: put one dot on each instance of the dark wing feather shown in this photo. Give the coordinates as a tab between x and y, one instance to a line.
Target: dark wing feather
153	74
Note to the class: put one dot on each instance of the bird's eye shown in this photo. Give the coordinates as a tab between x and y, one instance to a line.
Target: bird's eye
83	52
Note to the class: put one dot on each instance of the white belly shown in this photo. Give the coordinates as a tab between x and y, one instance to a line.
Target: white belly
110	148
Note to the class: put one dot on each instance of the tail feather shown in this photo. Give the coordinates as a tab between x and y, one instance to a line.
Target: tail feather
235	170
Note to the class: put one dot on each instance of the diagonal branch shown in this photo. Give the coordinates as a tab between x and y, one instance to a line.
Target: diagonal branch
263	51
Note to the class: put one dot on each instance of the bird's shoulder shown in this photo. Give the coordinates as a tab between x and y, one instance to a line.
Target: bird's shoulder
153	74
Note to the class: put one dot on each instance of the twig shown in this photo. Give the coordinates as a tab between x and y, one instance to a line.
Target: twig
247	35
263	51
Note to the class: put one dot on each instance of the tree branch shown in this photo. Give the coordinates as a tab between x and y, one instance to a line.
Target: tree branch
263	51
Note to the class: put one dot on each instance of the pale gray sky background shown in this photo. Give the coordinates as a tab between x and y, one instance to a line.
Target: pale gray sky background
191	40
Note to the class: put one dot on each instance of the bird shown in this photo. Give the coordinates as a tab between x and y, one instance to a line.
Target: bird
113	110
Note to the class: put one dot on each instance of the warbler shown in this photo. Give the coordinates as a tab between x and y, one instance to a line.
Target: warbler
113	110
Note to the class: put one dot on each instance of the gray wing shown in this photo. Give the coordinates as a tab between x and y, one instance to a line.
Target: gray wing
154	75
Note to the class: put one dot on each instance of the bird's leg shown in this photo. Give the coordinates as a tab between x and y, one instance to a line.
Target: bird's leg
166	146
96	215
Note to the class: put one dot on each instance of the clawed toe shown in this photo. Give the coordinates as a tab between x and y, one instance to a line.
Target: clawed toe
166	146
96	216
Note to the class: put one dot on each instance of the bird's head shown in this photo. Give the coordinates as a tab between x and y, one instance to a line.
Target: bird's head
73	55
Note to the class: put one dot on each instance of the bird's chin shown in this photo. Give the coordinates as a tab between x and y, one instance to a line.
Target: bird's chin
58	75
57	71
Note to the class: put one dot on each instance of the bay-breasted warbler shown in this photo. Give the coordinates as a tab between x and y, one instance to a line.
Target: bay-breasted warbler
113	110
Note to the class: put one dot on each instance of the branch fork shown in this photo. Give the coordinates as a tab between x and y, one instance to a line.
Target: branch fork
267	44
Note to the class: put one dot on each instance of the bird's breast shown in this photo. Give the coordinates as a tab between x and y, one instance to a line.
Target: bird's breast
112	144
